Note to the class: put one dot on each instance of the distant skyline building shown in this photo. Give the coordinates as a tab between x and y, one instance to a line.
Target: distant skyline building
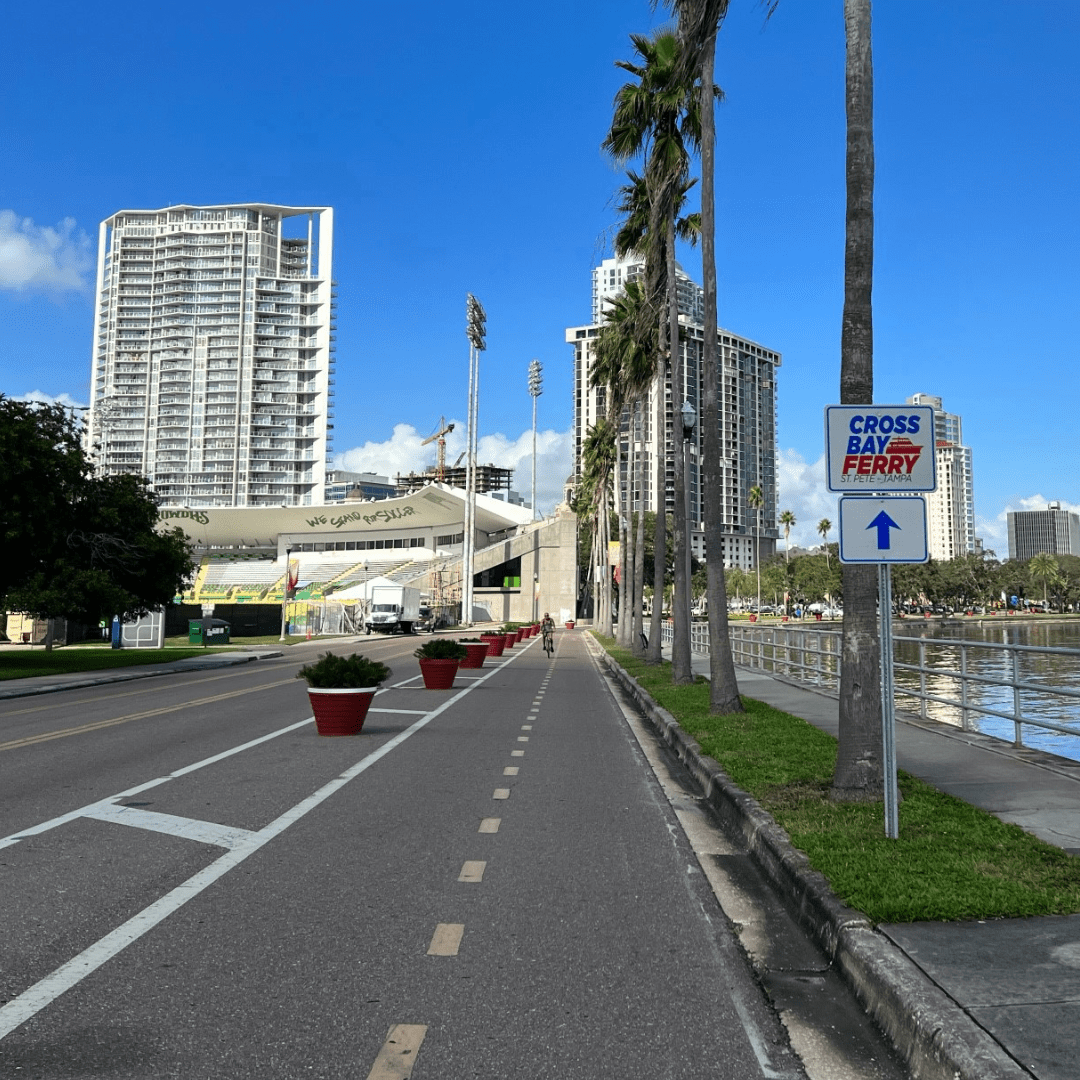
212	367
345	486
1053	530
950	509
747	418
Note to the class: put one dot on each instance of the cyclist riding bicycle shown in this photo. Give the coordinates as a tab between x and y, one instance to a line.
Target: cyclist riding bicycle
547	629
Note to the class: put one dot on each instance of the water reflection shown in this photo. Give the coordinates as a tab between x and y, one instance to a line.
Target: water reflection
1049	669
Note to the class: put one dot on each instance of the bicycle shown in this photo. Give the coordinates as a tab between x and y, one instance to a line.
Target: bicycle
549	642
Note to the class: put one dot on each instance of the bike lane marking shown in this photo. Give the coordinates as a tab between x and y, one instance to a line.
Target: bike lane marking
398	1053
32	1000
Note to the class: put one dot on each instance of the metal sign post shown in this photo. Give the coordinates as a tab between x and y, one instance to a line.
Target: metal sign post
888	702
877	456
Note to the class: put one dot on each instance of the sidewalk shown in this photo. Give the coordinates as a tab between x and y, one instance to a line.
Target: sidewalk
1018	979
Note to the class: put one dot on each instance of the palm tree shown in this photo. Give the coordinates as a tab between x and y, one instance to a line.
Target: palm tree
699	24
625	359
859	775
658	117
755	499
594	498
823	528
1044	567
638	234
787	519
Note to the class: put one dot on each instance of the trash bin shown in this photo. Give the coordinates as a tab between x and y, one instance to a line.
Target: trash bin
208	631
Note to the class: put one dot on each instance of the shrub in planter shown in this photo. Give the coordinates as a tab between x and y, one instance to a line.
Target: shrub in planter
441	649
341	689
439	662
477	650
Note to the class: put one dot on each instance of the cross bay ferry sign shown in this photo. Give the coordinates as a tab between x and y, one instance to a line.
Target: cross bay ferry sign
880	448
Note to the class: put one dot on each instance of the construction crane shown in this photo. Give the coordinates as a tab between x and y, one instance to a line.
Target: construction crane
444	430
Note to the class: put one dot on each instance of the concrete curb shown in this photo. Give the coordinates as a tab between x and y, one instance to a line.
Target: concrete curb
933	1034
130	674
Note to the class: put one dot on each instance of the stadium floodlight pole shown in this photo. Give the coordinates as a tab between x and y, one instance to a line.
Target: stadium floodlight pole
536	388
474	331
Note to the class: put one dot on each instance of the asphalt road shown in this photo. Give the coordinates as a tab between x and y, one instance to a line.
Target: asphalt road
488	882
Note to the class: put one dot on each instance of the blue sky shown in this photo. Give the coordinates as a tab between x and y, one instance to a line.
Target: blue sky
459	145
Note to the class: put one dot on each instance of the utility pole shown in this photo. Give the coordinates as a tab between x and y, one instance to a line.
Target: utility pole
474	331
536	388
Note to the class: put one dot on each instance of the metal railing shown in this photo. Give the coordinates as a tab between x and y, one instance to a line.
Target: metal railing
946	679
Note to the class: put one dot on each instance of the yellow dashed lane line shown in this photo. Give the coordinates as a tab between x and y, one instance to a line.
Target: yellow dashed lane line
98	725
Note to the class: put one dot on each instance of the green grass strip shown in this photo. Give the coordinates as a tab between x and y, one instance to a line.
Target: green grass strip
27	664
952	860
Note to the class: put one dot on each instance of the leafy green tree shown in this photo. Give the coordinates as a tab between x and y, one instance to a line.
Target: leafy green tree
75	545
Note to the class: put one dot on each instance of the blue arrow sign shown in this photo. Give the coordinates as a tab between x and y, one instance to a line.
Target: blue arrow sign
883	523
883	529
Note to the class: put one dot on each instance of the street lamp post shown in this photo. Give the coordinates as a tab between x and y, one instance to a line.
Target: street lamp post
285	594
689	422
474	331
536	388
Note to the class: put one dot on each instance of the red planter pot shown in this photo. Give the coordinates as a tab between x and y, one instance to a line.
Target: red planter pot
570	624
529	631
340	712
520	632
439	674
510	639
477	653
495	643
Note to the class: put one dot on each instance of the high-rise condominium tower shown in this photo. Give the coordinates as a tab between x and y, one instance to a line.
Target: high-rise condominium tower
1053	530
747	419
212	371
951	509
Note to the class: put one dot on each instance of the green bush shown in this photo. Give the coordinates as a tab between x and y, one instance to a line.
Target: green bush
470	641
441	649
331	672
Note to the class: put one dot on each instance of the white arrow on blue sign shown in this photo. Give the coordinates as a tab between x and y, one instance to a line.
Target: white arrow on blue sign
889	529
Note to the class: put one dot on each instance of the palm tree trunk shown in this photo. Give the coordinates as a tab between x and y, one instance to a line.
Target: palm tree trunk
656	623
858	774
681	672
639	540
621	495
723	688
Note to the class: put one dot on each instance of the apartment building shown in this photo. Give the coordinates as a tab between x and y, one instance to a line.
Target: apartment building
747	420
213	360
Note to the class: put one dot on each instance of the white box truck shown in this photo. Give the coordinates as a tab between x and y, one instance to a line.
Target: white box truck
390	607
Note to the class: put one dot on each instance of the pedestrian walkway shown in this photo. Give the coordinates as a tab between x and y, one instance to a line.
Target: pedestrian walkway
1019	979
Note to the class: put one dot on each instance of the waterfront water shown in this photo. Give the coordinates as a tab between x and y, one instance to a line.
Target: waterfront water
1049	669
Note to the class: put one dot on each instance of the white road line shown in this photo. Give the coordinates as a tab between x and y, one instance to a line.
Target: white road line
403	712
490	825
472	871
517	753
31	1001
205	832
85	811
398	1054
501	793
446	941
511	770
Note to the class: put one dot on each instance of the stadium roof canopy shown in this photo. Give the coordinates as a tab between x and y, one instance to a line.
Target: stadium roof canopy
434	507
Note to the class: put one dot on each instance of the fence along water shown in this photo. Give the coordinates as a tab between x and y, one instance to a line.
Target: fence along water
1028	695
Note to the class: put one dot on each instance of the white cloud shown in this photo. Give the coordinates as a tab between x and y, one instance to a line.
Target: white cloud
49	399
803	492
402	453
46	258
